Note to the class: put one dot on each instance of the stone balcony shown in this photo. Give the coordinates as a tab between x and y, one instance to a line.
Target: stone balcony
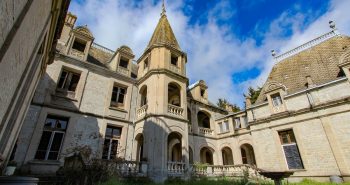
206	131
175	110
176	69
141	112
176	168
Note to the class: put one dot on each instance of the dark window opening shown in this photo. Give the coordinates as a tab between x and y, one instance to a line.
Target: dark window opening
202	92
110	146
79	45
68	81
123	63
118	96
52	138
174	60
290	149
203	120
145	63
174	95
133	75
341	73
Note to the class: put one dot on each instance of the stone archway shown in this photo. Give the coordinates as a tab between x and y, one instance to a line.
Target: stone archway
175	147
206	155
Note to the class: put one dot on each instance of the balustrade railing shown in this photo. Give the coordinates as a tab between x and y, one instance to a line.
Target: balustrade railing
175	69
205	131
176	168
141	111
175	110
227	170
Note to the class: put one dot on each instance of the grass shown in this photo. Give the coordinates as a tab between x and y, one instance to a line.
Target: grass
144	181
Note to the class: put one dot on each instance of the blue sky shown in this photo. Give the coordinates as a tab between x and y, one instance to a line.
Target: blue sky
228	42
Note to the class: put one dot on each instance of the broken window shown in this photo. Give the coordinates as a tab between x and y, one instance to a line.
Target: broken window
110	146
290	149
118	96
52	138
68	81
79	45
123	63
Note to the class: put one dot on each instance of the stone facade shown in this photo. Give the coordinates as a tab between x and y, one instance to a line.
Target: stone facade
158	118
28	33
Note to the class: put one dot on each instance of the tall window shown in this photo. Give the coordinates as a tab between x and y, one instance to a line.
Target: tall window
68	81
118	96
145	65
237	123
174	60
290	149
276	100
52	138
110	146
202	93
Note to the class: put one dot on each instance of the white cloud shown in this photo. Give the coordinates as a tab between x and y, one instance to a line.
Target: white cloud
214	53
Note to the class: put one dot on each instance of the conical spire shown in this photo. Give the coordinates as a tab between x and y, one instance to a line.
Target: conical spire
163	34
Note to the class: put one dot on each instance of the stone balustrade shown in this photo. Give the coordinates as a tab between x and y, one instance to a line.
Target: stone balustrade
175	69
227	170
176	168
77	54
175	110
123	70
140	112
206	131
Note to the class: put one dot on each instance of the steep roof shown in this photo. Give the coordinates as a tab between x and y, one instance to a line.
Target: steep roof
163	34
319	62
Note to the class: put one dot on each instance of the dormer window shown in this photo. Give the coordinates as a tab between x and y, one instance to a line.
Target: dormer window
123	63
276	100
174	60
79	45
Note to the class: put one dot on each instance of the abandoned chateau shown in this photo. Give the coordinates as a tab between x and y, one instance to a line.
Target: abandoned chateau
98	99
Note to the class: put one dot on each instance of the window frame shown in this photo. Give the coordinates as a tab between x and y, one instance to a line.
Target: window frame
238	124
53	132
67	81
176	61
291	141
116	103
279	98
124	60
80	42
111	139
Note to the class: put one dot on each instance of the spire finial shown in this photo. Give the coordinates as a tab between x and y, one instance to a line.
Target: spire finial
163	9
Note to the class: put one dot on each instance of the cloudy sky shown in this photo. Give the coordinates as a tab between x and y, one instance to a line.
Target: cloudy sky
228	42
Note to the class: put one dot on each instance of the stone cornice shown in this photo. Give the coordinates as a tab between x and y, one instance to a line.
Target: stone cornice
162	71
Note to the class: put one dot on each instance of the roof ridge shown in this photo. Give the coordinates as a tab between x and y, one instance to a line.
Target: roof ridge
307	45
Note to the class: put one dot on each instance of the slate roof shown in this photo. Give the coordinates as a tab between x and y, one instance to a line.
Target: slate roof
163	34
320	62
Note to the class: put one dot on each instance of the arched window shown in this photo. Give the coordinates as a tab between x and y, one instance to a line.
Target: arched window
203	119
227	157
143	95
247	153
174	95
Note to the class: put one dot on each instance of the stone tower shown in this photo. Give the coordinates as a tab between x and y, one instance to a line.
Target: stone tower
161	126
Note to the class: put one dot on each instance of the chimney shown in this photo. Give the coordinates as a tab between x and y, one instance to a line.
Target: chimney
248	101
